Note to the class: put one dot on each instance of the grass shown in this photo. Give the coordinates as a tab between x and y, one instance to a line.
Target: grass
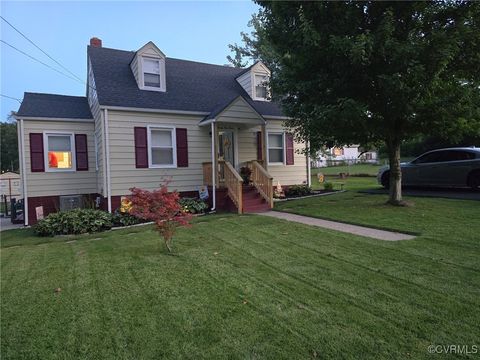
355	169
249	287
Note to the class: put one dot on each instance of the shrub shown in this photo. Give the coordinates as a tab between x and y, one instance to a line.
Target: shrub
120	218
162	207
77	221
298	190
192	205
328	186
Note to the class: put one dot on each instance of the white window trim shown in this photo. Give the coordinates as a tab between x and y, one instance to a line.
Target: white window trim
254	90
45	150
161	63
173	130
284	148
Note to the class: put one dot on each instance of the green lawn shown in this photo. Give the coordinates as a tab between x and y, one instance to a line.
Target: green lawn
249	287
356	169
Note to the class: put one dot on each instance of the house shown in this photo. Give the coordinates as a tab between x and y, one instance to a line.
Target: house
338	155
145	117
10	185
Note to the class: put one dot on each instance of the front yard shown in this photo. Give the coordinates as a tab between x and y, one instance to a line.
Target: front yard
249	287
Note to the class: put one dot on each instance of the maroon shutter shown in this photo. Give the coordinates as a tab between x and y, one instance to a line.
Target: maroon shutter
182	148
37	159
141	148
289	150
81	152
259	146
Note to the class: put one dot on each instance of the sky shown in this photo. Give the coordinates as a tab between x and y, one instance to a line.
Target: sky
199	31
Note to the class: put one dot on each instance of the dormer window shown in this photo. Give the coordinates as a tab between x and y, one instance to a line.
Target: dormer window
148	67
151	72
260	87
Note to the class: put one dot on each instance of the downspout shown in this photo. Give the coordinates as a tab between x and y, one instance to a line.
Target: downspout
107	161
214	193
309	166
24	173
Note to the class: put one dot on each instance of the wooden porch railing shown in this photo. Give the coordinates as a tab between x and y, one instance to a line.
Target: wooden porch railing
233	182
262	181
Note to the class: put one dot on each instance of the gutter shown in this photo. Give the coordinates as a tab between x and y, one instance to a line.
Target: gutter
214	193
107	161
159	111
21	135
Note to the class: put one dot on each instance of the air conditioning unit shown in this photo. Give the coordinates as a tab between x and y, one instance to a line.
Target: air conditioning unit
70	202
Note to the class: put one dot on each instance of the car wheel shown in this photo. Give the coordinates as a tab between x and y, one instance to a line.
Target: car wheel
386	179
474	180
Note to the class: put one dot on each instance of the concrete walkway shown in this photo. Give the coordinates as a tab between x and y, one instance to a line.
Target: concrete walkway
334	225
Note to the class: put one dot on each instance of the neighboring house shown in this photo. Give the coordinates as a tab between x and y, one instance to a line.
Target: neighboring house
10	185
146	117
337	155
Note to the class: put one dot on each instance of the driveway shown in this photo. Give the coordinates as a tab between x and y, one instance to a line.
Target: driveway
6	224
463	194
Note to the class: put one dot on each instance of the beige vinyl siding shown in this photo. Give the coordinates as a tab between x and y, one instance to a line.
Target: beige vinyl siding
134	67
245	81
60	183
239	112
98	125
247	145
288	174
123	172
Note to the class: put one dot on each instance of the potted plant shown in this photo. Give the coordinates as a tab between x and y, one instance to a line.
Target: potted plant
245	173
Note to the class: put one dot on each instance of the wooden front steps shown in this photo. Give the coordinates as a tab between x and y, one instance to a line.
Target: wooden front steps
253	201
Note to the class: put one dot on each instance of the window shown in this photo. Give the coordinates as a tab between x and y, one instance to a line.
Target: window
276	149
151	72
261	90
337	151
60	156
162	147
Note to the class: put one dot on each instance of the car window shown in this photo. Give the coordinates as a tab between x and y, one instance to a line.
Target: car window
429	158
444	156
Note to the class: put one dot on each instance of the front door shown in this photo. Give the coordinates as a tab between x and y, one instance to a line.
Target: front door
226	150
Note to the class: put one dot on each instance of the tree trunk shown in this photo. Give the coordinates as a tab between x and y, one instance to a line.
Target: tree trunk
395	190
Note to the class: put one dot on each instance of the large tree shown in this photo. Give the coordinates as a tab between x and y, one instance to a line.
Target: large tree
8	146
371	72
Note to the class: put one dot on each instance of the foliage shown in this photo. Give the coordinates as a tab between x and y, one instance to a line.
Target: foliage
8	147
389	71
245	173
298	190
193	205
162	207
328	186
77	221
120	218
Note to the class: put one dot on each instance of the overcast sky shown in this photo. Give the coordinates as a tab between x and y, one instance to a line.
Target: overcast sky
197	31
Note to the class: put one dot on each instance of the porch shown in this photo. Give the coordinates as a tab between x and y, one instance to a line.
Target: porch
228	155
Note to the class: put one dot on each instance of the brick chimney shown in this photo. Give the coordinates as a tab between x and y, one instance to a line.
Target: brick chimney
95	42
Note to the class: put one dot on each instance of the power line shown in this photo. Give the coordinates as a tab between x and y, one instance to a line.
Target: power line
9	97
41	62
38	47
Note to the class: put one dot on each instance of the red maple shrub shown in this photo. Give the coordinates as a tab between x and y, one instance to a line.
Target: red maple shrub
161	207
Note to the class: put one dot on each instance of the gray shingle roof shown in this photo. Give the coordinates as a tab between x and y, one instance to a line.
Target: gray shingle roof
54	106
191	86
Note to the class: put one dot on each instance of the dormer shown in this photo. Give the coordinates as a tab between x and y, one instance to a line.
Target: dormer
255	81
148	67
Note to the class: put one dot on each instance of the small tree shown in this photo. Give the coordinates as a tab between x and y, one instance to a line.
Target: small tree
161	207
